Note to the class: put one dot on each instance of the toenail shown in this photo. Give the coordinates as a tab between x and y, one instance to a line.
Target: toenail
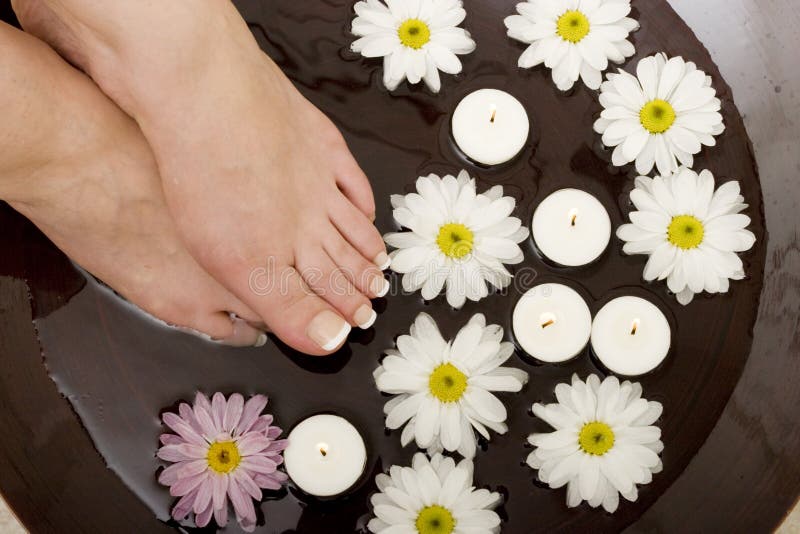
365	317
261	341
379	287
382	261
328	330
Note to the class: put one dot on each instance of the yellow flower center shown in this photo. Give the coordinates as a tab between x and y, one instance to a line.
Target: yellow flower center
572	26
223	456
414	33
685	231
455	240
657	116
435	520
447	383
596	438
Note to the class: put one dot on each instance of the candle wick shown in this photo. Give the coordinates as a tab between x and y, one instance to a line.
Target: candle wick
494	114
323	452
548	323
574	217
634	327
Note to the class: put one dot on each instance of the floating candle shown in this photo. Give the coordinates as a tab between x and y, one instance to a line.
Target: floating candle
552	323
326	455
630	336
571	228
490	126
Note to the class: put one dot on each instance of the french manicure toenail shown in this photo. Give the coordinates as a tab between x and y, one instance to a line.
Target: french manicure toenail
328	330
379	287
365	317
261	341
383	261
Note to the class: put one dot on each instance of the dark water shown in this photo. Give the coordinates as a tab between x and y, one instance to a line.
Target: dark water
120	370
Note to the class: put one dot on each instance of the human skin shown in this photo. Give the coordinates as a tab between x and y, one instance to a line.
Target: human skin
81	170
254	175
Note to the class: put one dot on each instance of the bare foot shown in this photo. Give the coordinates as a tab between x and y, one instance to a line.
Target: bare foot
83	173
255	176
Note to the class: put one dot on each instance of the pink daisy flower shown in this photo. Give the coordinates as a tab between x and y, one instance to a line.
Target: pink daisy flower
222	449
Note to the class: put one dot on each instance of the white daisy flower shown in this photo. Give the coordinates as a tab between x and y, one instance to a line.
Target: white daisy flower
458	238
604	443
443	388
415	38
661	116
691	232
433	496
574	38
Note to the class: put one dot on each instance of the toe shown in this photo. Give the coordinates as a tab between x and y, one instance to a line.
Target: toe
359	231
221	328
333	284
355	185
297	315
363	274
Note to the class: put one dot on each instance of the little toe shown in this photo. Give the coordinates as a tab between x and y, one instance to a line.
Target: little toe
298	316
333	284
363	274
221	328
359	231
243	335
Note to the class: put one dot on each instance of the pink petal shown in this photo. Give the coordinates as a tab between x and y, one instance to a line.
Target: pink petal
170	439
218	406
233	413
192	468
186	486
203	518
183	428
221	515
210	430
169	476
277	446
248	524
273	481
201	401
220	489
183	506
252	443
181	452
203	499
187	414
273	432
242	504
246	483
262	424
259	464
252	408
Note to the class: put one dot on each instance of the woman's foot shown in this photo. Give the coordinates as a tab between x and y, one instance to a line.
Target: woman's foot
264	190
83	173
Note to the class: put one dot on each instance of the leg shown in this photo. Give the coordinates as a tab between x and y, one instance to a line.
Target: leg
252	172
80	169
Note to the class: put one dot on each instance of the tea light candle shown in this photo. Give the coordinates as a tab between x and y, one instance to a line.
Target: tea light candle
630	336
490	126
571	227
552	323
326	455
